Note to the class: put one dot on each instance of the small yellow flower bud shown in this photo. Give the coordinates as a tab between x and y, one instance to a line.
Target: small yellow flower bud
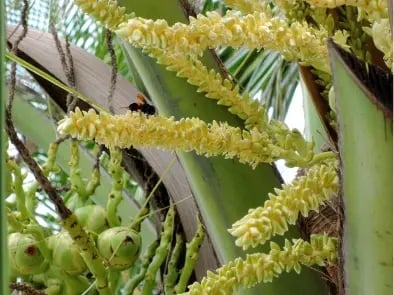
107	12
297	41
381	35
376	8
305	194
139	130
261	267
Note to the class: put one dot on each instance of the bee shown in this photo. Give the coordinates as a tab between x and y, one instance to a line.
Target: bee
142	106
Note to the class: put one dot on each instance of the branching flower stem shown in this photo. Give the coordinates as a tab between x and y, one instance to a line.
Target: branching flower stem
160	254
377	7
133	282
179	46
297	42
261	267
18	189
305	194
69	221
172	272
191	258
115	196
139	130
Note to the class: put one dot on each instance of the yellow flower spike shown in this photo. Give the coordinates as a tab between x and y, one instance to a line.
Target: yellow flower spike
375	8
215	87
139	130
381	35
106	12
154	131
298	41
223	90
261	267
156	35
303	195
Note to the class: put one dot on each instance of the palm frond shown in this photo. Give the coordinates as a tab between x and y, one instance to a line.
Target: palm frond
264	75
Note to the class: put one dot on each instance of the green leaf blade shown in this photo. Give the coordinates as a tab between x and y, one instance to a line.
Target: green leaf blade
366	148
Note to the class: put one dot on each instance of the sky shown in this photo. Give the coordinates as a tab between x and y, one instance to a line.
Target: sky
294	119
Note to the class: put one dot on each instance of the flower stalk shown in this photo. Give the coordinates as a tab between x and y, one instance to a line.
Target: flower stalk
261	267
89	252
139	130
115	196
215	86
191	258
160	253
106	12
378	8
173	273
133	282
306	193
17	184
297	42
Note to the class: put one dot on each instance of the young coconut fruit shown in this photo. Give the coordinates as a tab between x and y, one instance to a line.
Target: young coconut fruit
120	246
24	256
93	218
65	254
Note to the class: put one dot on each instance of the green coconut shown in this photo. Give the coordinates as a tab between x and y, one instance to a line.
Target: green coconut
24	256
93	218
120	246
66	255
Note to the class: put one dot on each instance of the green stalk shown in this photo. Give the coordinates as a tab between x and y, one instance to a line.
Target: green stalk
3	221
190	259
161	252
366	148
172	274
133	282
115	196
77	184
89	253
224	189
18	189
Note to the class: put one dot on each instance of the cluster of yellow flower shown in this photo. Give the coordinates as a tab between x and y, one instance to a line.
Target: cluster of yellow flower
379	32
262	267
107	12
303	195
296	42
216	87
190	134
375	8
179	47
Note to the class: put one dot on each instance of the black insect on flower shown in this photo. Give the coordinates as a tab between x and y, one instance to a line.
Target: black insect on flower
142	106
